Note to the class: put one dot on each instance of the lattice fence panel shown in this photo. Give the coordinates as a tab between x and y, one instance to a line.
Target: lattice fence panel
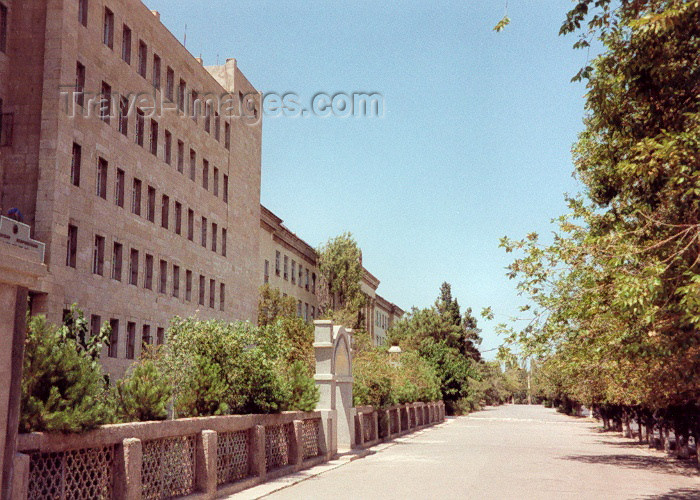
277	439
168	467
412	416
232	456
394	419
368	426
78	474
310	435
404	419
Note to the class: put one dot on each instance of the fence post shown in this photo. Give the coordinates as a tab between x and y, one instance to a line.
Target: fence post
127	461
375	425
257	455
20	477
296	448
205	475
359	429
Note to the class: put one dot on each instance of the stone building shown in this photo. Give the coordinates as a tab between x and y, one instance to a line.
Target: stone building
117	153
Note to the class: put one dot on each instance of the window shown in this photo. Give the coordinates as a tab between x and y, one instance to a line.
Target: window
188	285
178	217
205	174
143	58
222	297
169	84
176	281
223	242
95	324
113	338
306	311
217	126
148	282
181	94
207	118
190	224
108	31
145	335
124	115
140	126
227	135
214	233
168	148
126	44
156	71
163	277
313	283
225	188
307	279
301	274
313	312
117	251
299	308
134	267
80	84
75	164
165	211
72	246
106	103
277	263
202	280
154	137
98	256
204	232
286	268
212	294
151	206
193	164
216	181
194	104
267	271
160	336
136	197
294	271
130	340
83	12
180	156
101	184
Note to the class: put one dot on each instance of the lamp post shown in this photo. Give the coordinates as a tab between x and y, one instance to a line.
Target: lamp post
394	353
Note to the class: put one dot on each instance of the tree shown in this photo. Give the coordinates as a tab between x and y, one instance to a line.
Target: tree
144	394
272	306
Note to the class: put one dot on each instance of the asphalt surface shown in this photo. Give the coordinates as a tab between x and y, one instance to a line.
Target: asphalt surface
508	452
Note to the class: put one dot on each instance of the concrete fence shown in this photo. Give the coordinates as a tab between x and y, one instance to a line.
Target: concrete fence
375	425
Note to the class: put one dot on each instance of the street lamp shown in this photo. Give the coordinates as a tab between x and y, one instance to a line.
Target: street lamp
394	353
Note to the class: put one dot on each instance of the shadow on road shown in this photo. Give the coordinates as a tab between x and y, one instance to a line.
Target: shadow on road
656	464
677	494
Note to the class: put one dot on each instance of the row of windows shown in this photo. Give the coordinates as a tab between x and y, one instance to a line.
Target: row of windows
108	36
101	176
303	277
308	313
165	270
147	335
3	27
381	320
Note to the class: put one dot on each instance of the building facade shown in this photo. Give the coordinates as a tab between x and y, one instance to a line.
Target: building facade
144	191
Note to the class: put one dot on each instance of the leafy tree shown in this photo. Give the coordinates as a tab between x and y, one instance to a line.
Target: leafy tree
273	306
144	394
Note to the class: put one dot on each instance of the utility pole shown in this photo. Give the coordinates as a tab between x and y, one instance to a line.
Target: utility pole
529	392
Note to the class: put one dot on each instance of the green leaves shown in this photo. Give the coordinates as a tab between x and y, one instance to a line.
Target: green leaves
501	25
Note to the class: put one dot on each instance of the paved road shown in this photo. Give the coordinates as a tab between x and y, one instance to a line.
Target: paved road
510	452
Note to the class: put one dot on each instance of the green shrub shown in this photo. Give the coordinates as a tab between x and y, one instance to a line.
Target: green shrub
144	394
301	388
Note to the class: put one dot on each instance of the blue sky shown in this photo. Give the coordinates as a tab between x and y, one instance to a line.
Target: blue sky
474	143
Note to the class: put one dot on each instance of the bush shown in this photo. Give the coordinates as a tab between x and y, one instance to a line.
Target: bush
144	394
63	388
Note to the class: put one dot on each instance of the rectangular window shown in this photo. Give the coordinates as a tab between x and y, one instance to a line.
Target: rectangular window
145	335
286	268
106	102
202	280
95	324
168	148
148	282
160	336
216	181
83	12
204	232
294	272
277	263
212	294
307	279
217	126
178	217
266	276
194	104
227	135
165	212
117	257
222	297
126	44
80	84
225	188
124	115
75	164
101	184
151	206
223	242
134	267
205	174
140	126
143	58
113	338
306	311
180	156
181	95
169	84
72	246
313	312
207	118
98	256
156	71
176	281
154	137
300	275
214	234
193	164
313	283
190	224
130	340
108	32
163	277
299	308
188	285
136	197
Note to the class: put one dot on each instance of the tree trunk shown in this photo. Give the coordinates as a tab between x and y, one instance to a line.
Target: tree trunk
606	424
650	435
667	440
627	432
641	430
682	450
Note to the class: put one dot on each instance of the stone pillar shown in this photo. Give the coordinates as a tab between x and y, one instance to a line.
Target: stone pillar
257	455
128	460
205	476
296	448
20	479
